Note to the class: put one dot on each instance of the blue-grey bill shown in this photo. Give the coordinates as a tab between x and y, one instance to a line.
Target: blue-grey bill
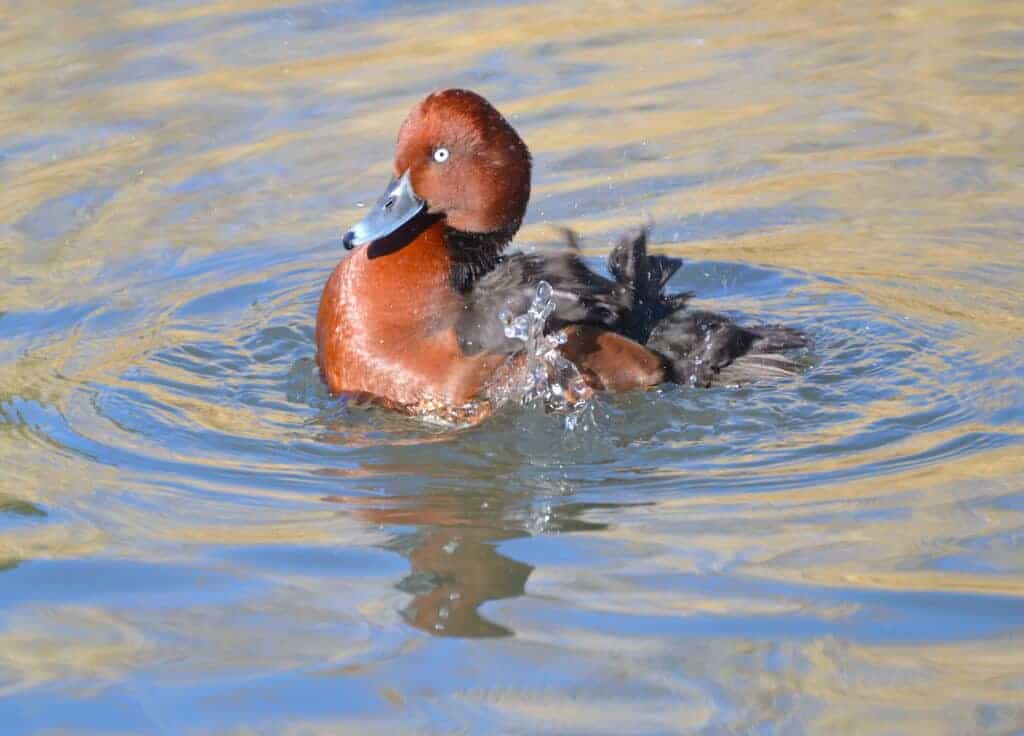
396	206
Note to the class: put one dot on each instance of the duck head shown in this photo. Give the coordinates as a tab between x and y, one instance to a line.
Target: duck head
458	159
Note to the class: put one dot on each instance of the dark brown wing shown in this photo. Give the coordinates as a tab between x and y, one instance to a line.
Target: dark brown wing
698	347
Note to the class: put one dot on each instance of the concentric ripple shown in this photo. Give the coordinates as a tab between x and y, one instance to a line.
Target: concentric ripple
196	538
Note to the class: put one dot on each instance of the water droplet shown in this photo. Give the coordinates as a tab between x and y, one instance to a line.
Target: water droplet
545	376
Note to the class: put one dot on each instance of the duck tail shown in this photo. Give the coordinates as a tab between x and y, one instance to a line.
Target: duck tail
704	348
763	360
756	367
775	339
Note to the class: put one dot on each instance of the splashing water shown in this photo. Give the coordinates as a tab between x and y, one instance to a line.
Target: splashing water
548	375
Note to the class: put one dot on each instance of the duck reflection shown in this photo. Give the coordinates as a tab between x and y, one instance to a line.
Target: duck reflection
455	569
452	549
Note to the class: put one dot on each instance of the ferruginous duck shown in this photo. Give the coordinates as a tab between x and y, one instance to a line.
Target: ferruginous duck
410	319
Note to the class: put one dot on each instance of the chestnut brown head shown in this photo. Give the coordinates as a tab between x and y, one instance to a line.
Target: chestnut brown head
456	158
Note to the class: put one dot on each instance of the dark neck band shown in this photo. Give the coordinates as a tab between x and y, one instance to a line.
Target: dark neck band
474	254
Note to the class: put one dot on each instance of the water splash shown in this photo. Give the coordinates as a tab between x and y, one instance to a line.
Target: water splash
548	376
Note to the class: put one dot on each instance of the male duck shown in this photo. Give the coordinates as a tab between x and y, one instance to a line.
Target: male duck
411	320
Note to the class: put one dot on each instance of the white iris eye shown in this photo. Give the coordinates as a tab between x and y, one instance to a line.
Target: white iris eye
441	155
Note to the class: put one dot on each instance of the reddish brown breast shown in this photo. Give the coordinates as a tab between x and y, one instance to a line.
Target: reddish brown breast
385	327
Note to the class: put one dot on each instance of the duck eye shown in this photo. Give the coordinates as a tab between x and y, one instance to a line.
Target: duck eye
441	155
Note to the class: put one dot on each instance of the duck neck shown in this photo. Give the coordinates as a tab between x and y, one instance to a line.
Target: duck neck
473	255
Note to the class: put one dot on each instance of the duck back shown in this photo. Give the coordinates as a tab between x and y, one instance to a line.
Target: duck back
696	346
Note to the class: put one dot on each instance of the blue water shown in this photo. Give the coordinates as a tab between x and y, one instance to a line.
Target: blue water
196	538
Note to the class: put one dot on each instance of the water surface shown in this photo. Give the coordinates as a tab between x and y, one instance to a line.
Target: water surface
195	538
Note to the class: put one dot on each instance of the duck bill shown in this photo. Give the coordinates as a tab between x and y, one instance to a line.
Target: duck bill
396	206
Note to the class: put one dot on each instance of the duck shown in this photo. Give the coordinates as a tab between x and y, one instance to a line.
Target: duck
414	316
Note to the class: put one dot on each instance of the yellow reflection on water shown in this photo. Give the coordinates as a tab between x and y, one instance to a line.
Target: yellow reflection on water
875	146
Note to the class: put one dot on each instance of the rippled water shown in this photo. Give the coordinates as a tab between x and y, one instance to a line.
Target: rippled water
195	538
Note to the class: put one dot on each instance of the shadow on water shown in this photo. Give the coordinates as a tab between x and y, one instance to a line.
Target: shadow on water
470	490
452	549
